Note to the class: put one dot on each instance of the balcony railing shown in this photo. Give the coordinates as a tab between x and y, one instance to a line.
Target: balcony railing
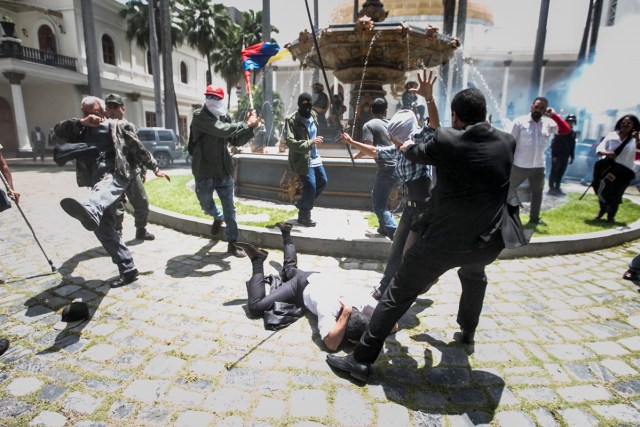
11	49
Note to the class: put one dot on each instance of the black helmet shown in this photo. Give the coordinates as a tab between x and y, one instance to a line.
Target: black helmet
571	118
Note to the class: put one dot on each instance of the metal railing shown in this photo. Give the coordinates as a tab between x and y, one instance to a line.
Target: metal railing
10	49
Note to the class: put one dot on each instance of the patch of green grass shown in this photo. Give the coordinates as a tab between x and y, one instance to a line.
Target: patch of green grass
576	216
175	196
572	217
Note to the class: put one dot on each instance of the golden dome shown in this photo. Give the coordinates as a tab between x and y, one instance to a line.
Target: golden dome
476	10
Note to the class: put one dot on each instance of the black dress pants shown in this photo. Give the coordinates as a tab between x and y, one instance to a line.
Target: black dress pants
422	265
290	291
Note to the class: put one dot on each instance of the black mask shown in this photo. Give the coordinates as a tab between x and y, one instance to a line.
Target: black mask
304	105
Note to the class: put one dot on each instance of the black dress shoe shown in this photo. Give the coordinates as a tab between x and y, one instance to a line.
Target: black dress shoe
357	370
284	226
215	227
236	251
252	251
125	279
76	210
306	222
4	345
143	234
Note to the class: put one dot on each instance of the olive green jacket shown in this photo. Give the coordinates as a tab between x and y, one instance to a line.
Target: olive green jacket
299	142
208	144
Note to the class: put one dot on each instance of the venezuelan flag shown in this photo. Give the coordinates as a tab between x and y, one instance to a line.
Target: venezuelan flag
257	55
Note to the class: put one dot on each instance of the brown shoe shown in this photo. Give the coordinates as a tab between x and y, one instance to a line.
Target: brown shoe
235	250
252	251
284	226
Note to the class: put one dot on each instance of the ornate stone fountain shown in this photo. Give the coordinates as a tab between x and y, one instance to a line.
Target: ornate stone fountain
371	53
368	54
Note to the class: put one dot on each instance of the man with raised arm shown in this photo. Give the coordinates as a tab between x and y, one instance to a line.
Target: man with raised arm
464	228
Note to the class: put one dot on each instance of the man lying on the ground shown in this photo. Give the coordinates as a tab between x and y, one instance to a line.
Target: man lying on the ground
343	312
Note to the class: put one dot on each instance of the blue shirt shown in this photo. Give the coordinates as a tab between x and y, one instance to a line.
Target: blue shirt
314	155
406	169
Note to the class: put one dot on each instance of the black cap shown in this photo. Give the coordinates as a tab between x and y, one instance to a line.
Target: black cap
571	118
112	97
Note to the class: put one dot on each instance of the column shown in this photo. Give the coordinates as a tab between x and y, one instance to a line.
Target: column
24	143
137	117
505	87
544	66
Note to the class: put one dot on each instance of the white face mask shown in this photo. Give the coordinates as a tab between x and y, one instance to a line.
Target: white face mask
216	107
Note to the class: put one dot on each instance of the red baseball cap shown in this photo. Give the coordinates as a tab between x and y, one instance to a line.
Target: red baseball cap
215	91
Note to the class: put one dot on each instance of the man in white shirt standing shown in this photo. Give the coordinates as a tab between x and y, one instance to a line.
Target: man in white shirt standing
532	133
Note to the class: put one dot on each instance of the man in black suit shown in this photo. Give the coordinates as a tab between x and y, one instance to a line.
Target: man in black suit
473	162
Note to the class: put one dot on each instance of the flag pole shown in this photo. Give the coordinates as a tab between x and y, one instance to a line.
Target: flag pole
324	75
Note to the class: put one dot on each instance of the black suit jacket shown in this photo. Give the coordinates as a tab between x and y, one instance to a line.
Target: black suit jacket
472	181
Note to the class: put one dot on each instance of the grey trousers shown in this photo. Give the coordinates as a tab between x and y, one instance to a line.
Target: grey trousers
102	205
536	185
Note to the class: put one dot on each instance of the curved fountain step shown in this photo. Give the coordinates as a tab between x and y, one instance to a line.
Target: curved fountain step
345	233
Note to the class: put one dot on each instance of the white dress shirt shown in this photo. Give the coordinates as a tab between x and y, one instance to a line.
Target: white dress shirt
612	141
531	140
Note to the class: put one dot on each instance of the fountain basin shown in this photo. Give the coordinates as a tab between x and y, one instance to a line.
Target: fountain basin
267	177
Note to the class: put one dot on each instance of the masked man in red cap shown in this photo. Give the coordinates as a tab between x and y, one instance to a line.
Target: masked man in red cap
212	167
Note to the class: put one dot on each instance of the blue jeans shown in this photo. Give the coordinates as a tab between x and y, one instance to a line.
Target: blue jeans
386	179
312	186
224	187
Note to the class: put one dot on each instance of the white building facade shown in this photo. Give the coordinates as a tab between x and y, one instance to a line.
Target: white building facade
43	69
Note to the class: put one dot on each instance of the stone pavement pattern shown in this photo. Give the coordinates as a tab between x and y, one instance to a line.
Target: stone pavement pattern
557	345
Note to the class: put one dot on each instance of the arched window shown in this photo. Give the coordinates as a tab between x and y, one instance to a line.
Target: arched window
46	39
183	72
108	50
149	64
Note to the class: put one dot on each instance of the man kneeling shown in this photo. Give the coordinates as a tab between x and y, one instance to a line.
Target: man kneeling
343	313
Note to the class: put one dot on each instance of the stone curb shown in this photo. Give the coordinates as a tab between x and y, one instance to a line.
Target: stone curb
378	248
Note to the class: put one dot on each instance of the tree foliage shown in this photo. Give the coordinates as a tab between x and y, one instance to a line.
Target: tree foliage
135	12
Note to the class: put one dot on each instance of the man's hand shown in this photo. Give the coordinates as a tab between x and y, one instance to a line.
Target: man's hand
13	195
426	85
317	140
161	174
252	119
91	120
346	138
406	145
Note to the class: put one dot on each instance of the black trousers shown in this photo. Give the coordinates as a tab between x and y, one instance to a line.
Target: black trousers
558	168
422	265
293	283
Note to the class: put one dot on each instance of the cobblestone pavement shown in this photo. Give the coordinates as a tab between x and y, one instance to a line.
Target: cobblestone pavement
558	342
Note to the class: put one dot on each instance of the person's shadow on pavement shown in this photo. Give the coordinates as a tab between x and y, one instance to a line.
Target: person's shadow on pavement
452	387
62	293
201	264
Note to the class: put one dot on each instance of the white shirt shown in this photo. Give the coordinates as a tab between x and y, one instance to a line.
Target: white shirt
323	300
531	140
611	141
